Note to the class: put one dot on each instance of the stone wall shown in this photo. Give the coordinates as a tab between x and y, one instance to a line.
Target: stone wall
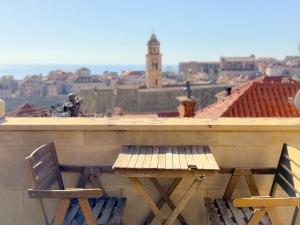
146	100
96	141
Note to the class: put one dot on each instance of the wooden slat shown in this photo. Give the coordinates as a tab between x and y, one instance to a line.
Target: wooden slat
98	207
162	158
71	214
141	158
203	158
134	157
43	165
197	157
45	174
127	156
169	158
48	183
237	214
175	157
107	212
121	156
40	153
189	157
154	159
118	212
248	212
224	212
210	158
286	185
212	212
148	157
182	158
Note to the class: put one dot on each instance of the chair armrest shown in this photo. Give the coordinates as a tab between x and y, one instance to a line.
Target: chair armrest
267	201
68	193
257	170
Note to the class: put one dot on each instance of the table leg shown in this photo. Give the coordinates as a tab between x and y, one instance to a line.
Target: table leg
184	200
137	185
162	201
166	197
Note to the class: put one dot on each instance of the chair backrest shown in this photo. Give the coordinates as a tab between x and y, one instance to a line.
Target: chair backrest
43	168
288	172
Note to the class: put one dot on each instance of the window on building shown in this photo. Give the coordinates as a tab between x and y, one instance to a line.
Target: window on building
156	82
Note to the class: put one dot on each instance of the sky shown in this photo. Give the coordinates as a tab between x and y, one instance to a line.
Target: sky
116	31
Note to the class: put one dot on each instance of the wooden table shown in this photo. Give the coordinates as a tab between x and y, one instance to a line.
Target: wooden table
174	162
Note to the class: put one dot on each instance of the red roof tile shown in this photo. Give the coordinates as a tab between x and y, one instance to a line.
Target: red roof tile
263	97
26	110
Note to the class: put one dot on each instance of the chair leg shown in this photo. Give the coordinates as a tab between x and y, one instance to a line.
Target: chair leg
87	211
61	211
256	217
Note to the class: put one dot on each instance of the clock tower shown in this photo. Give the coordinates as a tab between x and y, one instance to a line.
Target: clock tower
153	64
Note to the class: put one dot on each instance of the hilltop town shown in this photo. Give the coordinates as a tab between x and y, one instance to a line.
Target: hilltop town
228	70
152	90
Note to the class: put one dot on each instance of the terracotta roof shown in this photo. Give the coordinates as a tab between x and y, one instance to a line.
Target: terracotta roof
263	97
25	110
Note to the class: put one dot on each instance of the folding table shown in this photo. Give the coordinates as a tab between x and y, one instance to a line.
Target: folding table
174	162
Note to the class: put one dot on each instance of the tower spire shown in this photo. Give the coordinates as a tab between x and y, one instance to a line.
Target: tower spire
153	64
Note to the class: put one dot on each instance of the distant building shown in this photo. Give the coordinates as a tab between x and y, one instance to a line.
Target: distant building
187	68
262	97
283	70
238	64
6	93
133	77
292	61
32	86
153	65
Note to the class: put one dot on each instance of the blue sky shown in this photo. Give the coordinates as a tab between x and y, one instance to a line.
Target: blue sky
116	31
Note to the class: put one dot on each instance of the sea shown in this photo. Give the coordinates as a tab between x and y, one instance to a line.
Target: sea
19	71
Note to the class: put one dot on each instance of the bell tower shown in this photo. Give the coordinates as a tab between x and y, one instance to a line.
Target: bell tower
153	64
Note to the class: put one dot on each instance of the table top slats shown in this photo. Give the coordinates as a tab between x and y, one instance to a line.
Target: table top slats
169	158
182	158
197	157
154	160
148	159
141	158
127	152
162	158
176	161
189	157
210	158
134	157
203	158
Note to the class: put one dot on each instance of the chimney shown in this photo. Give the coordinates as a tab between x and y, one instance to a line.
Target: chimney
228	91
186	106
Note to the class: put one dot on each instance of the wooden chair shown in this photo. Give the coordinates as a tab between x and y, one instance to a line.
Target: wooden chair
79	205
259	209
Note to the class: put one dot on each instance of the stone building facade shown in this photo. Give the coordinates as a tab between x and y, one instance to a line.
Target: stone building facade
153	64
